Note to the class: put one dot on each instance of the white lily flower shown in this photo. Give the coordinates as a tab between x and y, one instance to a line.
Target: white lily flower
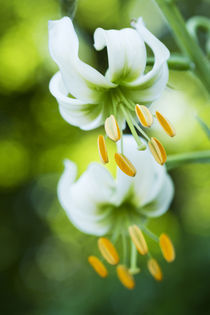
85	96
97	203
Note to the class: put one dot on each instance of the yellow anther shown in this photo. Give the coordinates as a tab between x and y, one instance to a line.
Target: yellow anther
102	149
144	115
125	165
166	125
112	129
154	269
125	277
108	251
157	150
138	239
167	248
98	266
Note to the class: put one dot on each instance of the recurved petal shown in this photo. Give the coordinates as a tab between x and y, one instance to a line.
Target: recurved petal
160	204
82	199
126	53
76	112
149	174
81	80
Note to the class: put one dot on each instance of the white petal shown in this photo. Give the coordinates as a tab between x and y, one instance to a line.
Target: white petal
148	87
77	113
149	176
162	201
126	53
83	200
81	80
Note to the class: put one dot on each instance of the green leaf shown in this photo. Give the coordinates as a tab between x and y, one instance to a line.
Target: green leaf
204	126
68	7
177	160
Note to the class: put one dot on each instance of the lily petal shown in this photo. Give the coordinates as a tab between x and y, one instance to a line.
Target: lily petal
126	53
162	201
77	113
81	80
82	199
155	80
149	176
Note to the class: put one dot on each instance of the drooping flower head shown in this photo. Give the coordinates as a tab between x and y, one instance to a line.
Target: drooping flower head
98	204
89	99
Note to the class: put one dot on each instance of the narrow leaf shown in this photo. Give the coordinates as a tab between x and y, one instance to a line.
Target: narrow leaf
177	160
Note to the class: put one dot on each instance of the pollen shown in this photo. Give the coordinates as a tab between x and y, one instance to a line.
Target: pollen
167	248
144	115
138	239
125	165
98	266
112	129
154	269
166	125
157	150
102	149
108	251
125	277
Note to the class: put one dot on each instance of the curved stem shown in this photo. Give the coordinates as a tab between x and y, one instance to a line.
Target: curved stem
177	160
175	62
186	43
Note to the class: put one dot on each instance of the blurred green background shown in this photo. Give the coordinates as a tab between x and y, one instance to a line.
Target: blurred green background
43	261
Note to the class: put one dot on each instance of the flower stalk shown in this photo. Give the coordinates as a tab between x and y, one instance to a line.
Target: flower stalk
186	43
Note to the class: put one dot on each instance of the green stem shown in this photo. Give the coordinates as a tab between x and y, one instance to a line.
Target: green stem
175	62
185	42
176	160
141	145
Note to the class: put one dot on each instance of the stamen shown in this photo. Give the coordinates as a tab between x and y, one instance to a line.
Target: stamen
166	125
125	277
98	266
108	251
167	248
102	149
154	269
144	115
138	239
112	129
157	150
125	165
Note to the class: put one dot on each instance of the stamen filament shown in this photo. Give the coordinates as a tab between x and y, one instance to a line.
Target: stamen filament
141	146
141	130
150	233
124	244
133	262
